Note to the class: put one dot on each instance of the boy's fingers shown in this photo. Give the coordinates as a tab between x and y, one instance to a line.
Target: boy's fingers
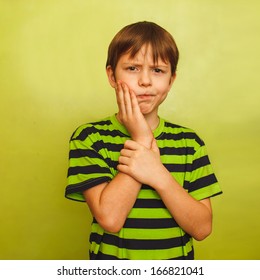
126	153
123	168
131	145
120	99
123	160
135	105
127	99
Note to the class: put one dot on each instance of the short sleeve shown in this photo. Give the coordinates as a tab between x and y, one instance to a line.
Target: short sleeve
201	181
87	168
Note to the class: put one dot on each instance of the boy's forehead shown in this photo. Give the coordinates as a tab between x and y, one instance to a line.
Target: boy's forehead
144	54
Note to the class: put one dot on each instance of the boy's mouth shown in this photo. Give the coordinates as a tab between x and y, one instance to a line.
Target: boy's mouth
144	96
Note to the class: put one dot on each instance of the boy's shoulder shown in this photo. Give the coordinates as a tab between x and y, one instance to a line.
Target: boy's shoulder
173	127
178	132
91	127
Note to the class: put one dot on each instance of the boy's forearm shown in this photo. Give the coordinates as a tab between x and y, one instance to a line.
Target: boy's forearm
116	201
193	216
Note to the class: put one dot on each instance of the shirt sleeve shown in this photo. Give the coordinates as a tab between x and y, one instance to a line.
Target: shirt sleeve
87	168
201	181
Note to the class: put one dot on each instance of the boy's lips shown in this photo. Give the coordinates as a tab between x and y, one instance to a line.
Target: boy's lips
144	96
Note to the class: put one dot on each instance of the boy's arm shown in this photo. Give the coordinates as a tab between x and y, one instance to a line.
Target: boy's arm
193	216
111	202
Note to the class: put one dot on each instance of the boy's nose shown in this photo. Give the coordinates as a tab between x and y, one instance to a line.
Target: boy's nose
144	79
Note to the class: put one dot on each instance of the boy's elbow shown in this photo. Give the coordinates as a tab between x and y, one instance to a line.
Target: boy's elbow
203	233
110	225
112	228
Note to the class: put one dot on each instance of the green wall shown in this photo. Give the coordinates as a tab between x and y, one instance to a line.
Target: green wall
52	79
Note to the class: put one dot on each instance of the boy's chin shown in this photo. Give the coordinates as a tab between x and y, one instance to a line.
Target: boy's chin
145	111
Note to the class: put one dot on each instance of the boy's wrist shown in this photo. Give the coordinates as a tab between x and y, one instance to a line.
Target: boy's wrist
145	141
162	179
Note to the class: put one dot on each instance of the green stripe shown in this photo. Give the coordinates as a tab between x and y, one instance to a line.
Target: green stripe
149	213
146	234
206	192
150	194
111	139
76	196
133	233
76	179
143	254
82	162
179	159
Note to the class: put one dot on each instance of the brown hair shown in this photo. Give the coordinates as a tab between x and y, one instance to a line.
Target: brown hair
132	37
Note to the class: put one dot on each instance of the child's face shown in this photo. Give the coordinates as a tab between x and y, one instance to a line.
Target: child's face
151	83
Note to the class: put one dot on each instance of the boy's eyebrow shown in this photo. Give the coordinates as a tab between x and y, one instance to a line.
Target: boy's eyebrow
151	65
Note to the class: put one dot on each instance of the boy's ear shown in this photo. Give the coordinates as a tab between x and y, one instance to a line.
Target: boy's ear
111	76
173	77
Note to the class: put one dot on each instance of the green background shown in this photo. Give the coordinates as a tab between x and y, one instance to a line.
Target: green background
52	79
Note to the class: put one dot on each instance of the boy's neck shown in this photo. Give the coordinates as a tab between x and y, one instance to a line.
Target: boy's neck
152	120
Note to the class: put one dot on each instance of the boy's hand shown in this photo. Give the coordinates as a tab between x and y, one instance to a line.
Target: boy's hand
141	163
131	117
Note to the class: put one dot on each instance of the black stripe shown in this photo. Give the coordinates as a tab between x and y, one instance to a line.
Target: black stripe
82	186
146	187
200	162
198	140
149	203
98	145
172	125
92	130
200	183
177	136
177	167
181	151
85	133
150	223
101	256
78	153
112	133
181	136
74	170
111	163
139	244
107	122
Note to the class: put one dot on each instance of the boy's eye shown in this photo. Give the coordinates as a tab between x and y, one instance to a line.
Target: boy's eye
158	70
132	68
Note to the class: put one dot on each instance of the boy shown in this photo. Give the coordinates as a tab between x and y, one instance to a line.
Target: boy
147	182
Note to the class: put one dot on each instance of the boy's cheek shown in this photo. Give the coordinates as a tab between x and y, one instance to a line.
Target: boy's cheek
129	84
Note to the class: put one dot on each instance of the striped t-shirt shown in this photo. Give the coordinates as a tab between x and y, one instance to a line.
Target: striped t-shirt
149	232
